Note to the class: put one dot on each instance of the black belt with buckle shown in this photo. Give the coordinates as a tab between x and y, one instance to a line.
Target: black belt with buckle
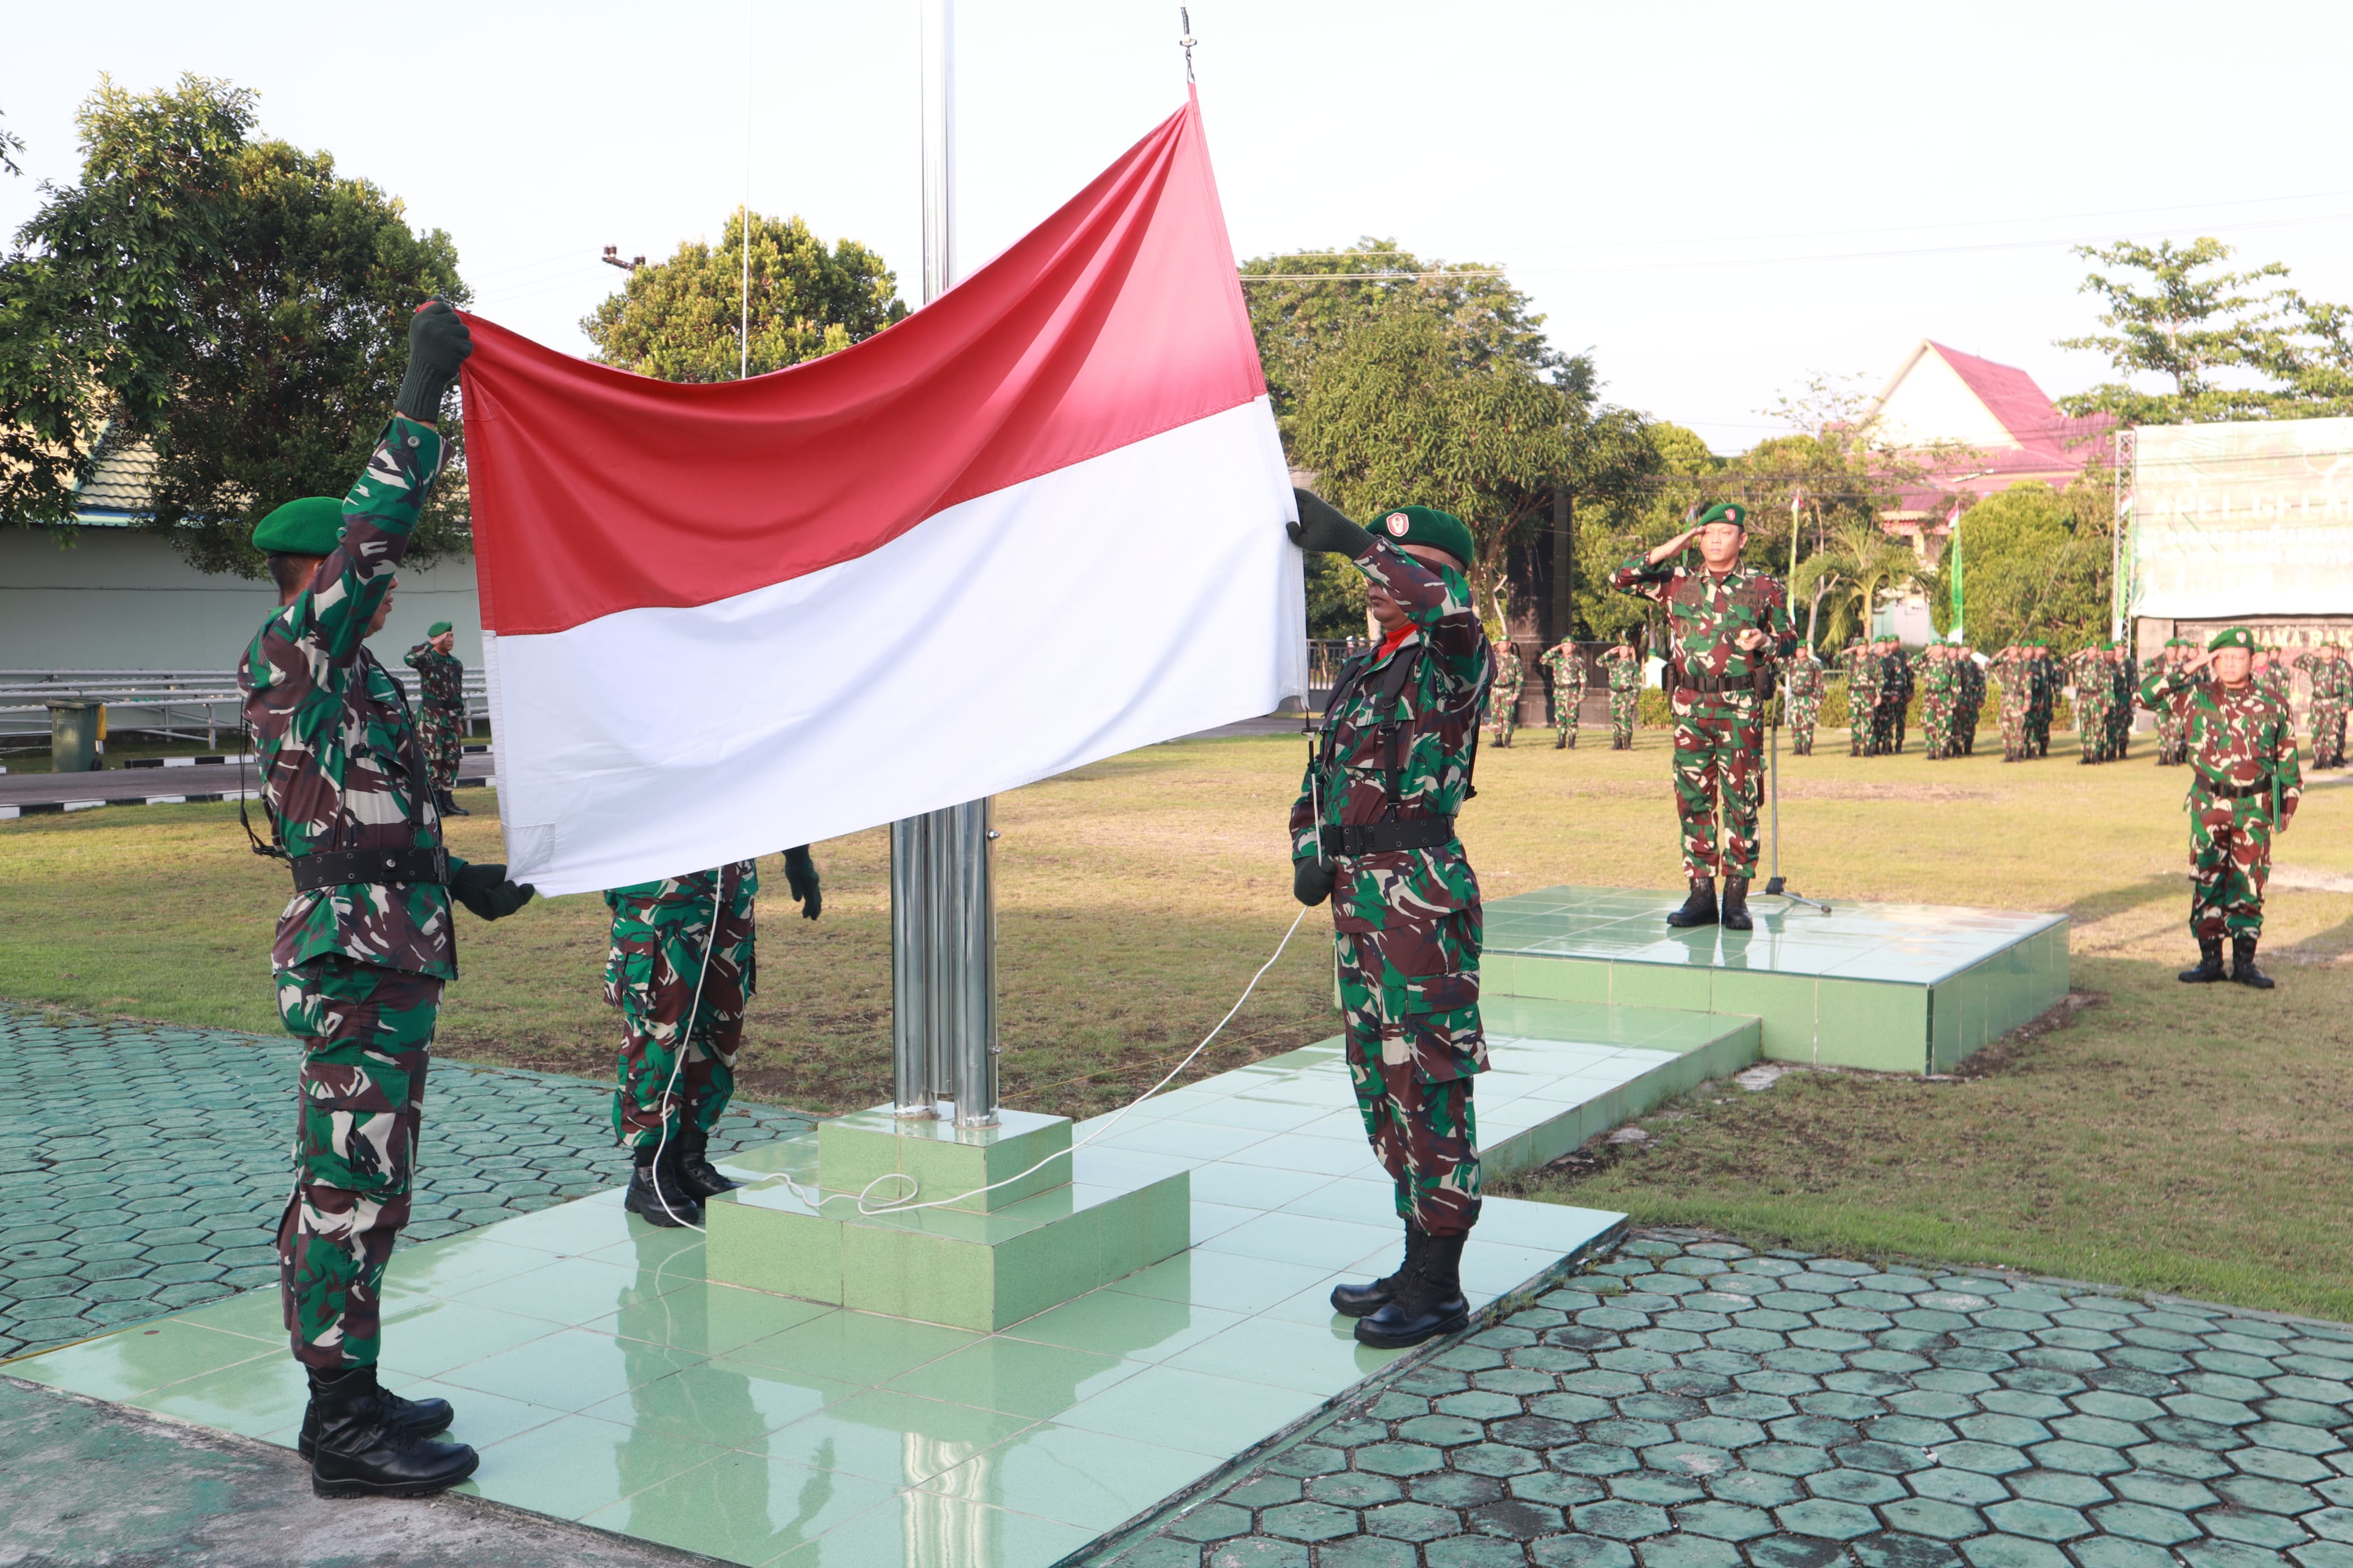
2238	792
1380	837
338	867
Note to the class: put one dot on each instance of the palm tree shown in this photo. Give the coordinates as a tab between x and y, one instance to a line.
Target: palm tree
1846	577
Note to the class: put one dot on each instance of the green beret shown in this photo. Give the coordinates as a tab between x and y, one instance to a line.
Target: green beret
436	628
1428	525
1730	512
2233	636
312	526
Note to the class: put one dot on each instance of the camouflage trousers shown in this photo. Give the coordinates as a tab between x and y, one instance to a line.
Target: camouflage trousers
1624	708
1410	998
2092	731
1805	712
2013	731
1936	728
1965	731
2172	743
1886	728
1719	753
1564	717
655	969
2230	861
441	736
1505	714
2327	735
2120	721
2038	731
367	1035
1858	725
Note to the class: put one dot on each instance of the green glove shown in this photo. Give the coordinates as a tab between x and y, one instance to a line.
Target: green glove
1322	527
800	881
486	891
1311	882
438	344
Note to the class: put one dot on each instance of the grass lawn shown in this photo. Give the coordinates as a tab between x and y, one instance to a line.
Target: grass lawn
2165	1137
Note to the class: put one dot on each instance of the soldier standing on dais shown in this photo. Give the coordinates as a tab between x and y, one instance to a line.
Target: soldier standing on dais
1728	628
1373	831
2243	788
1566	667
365	946
441	714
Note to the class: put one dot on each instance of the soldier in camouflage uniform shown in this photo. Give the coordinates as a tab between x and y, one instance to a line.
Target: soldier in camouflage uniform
681	987
1972	699
1805	699
2332	686
2048	673
2087	670
1864	673
1895	696
1940	694
2124	687
366	945
1729	630
1566	667
1504	702
1625	675
2243	793
2170	750
1373	830
2010	667
441	713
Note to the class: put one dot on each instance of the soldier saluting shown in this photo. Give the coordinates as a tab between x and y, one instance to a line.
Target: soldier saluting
1728	626
1373	831
366	945
2243	786
440	711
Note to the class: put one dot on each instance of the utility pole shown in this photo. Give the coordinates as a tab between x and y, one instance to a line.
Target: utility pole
942	873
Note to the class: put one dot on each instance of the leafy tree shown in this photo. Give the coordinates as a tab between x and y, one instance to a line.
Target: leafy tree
95	319
2035	562
10	145
1397	411
682	320
2173	316
1840	583
1304	304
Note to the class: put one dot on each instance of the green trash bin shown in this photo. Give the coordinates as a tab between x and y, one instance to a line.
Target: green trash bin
75	735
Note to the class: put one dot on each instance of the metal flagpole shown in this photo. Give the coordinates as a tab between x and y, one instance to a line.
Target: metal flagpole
943	882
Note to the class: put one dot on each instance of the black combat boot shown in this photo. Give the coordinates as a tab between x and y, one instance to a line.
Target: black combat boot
357	1451
2242	963
415	1417
448	804
1560	743
656	1193
1364	1300
2208	968
1429	1302
696	1173
1699	910
1735	904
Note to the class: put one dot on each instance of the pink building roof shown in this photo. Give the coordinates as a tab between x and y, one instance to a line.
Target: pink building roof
2051	447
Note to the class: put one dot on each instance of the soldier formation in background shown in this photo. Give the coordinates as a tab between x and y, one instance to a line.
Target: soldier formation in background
1373	831
1504	702
2243	788
1803	697
1565	666
1625	675
442	721
1728	632
2331	674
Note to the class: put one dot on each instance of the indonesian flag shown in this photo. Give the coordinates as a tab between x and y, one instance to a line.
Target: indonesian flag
1036	523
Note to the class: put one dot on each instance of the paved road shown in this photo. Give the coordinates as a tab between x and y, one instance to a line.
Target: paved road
132	786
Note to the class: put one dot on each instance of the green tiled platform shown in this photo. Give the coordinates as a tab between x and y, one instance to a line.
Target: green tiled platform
607	1379
1890	987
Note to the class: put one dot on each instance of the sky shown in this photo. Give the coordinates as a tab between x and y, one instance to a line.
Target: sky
1717	200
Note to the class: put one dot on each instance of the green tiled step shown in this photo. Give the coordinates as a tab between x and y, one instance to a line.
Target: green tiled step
1889	987
969	1265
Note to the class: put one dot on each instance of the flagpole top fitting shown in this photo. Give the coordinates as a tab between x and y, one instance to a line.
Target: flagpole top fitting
1185	23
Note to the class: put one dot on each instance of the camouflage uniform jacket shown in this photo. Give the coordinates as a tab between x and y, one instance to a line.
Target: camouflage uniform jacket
2239	740
1375	765
1511	675
440	677
1706	613
331	732
1625	674
1805	675
1566	667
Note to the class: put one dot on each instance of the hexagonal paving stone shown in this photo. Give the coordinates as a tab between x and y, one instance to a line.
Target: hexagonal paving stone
1399	1459
1621	1520
2140	1521
1829	1520
1308	1521
1210	1522
2040	1520
1411	1521
1518	1520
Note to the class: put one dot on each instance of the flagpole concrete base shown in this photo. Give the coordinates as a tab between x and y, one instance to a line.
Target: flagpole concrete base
982	1261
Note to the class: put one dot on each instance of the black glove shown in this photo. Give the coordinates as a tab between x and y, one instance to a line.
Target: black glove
800	881
1311	882
438	344
1322	527
486	891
